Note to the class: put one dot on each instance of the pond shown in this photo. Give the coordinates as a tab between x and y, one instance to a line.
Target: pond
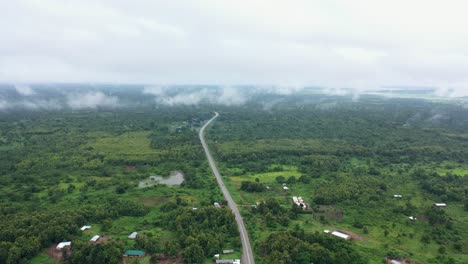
175	178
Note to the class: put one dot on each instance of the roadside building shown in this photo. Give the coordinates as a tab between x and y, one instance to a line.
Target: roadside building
217	205
228	261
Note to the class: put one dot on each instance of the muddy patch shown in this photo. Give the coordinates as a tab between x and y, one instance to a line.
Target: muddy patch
153	200
175	178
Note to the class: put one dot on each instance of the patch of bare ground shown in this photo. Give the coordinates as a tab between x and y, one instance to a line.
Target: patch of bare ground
354	236
329	212
153	200
103	239
169	260
55	254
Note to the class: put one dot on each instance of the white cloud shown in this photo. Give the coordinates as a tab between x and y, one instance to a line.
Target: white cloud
25	90
155	90
231	96
91	100
41	105
343	44
4	105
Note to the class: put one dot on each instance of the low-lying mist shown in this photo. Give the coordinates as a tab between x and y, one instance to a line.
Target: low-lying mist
55	97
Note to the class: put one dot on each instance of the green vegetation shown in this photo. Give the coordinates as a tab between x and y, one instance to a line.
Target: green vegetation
63	170
347	162
345	159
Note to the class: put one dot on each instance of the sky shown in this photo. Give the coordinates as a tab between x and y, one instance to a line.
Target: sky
360	44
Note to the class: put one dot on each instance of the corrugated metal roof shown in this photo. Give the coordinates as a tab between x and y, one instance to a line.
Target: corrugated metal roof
133	235
63	244
339	234
134	253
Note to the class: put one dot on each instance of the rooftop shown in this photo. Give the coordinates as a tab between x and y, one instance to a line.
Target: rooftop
340	235
63	244
134	253
83	228
133	235
228	261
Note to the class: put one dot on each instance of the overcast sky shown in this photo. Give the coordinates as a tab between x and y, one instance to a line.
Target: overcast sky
360	44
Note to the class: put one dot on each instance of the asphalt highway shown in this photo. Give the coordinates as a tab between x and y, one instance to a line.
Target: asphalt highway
247	255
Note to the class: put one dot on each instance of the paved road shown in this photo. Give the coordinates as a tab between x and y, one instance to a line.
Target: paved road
247	255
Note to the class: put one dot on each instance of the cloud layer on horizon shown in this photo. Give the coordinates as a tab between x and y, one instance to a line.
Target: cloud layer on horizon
359	44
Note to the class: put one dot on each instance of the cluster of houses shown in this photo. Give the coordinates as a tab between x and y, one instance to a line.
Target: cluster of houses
95	239
299	202
412	218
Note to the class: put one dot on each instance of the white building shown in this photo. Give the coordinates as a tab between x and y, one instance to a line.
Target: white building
340	235
83	228
397	195
216	204
94	238
285	188
133	235
412	218
61	245
228	261
299	202
440	204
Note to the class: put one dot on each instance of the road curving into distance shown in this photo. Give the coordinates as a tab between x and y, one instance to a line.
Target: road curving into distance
247	255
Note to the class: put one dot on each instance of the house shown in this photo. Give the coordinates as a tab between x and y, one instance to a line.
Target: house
134	253
393	261
216	256
340	235
228	251
83	228
194	208
285	188
61	245
216	204
299	202
440	205
133	235
94	238
397	195
228	261
326	231
412	218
